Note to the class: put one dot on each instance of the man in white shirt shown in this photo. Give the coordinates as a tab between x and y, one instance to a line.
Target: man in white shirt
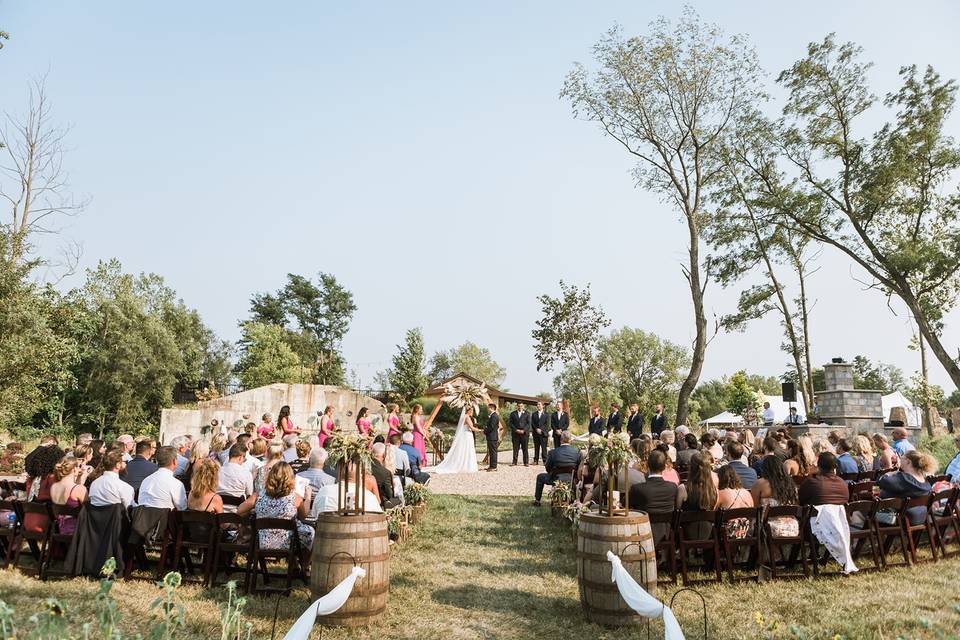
235	478
161	490
109	488
768	415
290	450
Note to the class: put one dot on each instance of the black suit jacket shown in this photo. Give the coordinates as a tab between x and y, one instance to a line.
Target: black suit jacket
615	422
656	495
658	423
519	421
539	423
597	425
635	425
491	431
384	480
564	456
560	422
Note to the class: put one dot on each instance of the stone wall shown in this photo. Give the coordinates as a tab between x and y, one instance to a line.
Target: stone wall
306	401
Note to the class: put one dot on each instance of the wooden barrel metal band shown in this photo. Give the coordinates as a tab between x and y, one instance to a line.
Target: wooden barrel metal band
602	538
335	535
633	557
619	612
360	561
601	586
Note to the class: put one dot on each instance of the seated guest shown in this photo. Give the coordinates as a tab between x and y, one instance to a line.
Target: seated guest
953	468
770	448
203	497
692	446
845	462
667	437
217	444
656	495
862	452
314	474
256	454
701	493
886	457
109	489
69	490
232	438
290	447
801	461
273	455
900	442
383	476
416	459
302	461
558	464
161	489
199	451
327	499
41	470
128	444
181	444
401	460
735	455
826	487
277	499
910	481
732	493
776	488
235	478
669	473
708	442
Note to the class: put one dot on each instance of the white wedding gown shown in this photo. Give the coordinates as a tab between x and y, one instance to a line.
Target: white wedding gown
461	457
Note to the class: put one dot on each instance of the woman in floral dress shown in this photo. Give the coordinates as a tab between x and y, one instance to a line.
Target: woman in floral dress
277	499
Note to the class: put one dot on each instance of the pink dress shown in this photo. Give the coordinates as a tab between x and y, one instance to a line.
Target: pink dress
363	426
325	431
394	423
418	442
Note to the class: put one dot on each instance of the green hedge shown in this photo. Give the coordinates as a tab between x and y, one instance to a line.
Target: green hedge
940	447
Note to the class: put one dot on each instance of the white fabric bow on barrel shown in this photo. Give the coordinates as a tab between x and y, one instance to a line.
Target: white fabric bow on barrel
324	606
642	602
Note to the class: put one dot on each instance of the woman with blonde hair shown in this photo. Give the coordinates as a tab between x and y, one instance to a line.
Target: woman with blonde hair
68	489
862	451
277	499
199	453
217	444
910	481
273	456
823	445
203	497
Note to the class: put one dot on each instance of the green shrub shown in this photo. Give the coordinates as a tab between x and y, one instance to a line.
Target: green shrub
941	448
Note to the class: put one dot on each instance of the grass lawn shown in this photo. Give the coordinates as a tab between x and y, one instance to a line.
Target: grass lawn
490	567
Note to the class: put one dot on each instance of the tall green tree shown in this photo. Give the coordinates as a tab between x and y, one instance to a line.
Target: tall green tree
740	396
646	369
468	358
880	376
569	331
407	376
314	318
668	98
887	203
266	358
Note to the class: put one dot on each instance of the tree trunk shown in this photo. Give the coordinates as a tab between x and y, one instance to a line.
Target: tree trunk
586	385
925	372
805	320
700	342
926	331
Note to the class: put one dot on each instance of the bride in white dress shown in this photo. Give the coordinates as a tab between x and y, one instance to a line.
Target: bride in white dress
461	457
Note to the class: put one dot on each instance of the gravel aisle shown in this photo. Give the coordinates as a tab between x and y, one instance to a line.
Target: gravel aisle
505	481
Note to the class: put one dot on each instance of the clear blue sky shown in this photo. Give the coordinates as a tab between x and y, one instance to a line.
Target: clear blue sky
419	152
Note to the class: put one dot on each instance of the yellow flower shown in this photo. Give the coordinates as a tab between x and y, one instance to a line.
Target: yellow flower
758	618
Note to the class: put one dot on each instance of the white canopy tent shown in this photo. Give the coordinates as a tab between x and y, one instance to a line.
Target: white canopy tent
897	399
781	410
724	419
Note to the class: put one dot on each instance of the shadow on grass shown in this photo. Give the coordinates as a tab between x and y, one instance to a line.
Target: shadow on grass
508	601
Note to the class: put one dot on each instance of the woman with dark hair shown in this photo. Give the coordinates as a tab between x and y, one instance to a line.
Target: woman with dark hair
326	426
732	495
40	468
286	423
363	423
800	461
776	488
702	494
393	420
99	448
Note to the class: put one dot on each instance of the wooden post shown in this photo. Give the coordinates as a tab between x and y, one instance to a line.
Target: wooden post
426	427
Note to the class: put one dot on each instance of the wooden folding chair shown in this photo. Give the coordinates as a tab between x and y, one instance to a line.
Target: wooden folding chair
864	533
862	490
9	529
888	533
850	477
733	544
879	473
667	547
230	547
290	555
946	519
196	531
58	539
35	540
687	540
777	545
941	478
915	531
138	551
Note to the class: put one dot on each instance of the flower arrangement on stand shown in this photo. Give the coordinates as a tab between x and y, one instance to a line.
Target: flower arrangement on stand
572	512
398	523
350	452
559	497
612	453
462	394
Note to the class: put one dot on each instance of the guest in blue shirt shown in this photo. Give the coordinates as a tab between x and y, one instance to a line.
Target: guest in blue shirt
846	463
416	460
735	454
953	469
900	443
140	466
180	443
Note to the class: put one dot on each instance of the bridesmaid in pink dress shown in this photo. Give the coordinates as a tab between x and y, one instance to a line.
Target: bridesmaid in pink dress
363	424
393	420
326	426
419	433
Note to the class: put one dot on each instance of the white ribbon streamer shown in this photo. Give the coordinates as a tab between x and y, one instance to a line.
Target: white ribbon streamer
324	606
831	528
642	602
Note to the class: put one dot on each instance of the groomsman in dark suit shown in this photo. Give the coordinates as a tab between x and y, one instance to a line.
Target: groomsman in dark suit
559	421
615	419
658	422
492	433
635	422
597	424
539	425
520	433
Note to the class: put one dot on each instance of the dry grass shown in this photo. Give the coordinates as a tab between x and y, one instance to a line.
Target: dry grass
492	567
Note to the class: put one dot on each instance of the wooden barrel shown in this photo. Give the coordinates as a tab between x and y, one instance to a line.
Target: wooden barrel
364	537
629	537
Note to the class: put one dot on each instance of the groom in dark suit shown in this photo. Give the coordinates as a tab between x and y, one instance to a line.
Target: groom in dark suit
492	433
539	424
520	433
559	422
